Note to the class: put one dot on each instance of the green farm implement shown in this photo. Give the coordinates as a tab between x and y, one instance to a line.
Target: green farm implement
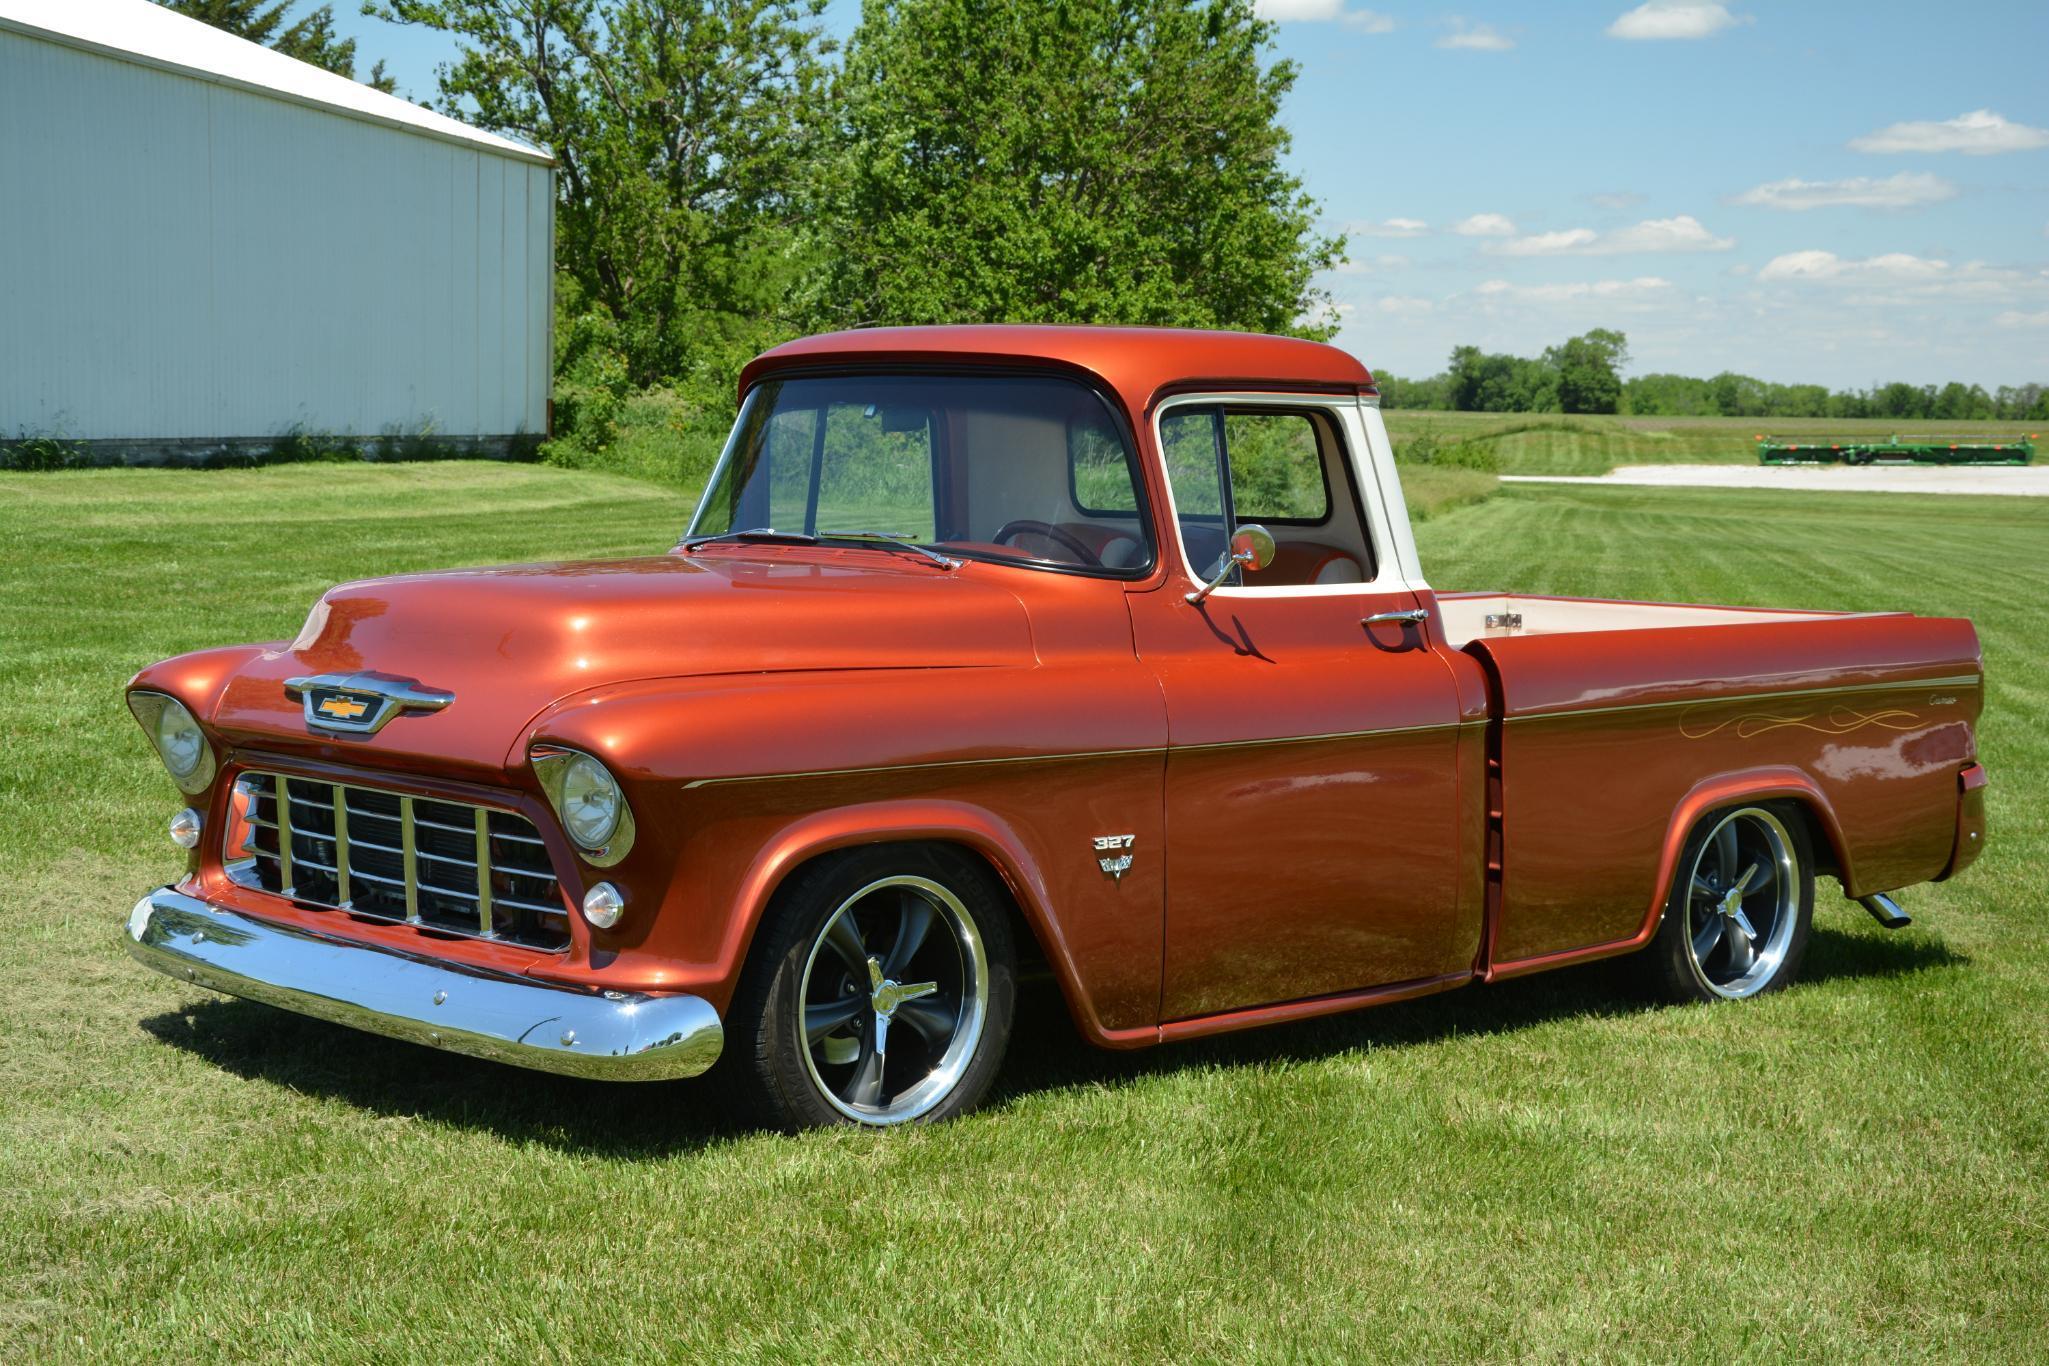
1896	450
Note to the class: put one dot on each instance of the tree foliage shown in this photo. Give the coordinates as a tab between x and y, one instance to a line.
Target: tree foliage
684	132
310	39
1071	161
1587	368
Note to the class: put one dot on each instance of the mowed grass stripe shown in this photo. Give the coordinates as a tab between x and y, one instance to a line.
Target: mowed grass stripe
1854	1168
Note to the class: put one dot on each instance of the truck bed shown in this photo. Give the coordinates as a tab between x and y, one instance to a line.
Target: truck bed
1473	616
1610	742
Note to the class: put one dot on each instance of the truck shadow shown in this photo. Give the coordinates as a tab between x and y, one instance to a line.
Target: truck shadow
399	1079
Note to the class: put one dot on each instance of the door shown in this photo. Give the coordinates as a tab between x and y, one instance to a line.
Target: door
1311	782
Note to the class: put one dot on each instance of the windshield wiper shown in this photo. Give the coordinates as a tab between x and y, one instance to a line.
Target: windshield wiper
759	533
895	540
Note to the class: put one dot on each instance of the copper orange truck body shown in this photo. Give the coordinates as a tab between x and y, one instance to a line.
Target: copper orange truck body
1317	785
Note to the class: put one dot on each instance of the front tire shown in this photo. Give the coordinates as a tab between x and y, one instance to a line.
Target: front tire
1741	906
879	991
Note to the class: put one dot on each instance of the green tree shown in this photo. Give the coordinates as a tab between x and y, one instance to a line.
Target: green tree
683	131
310	39
1586	367
1078	161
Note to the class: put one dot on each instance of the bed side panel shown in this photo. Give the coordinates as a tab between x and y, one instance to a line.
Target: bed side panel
1607	733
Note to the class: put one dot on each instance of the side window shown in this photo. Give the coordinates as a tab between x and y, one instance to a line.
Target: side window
1284	468
877	471
1276	467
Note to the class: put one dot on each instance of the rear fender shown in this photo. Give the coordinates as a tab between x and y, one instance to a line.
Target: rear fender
1731	789
1711	794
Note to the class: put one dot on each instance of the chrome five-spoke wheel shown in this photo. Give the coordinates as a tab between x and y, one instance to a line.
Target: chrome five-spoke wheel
879	989
893	997
1738	915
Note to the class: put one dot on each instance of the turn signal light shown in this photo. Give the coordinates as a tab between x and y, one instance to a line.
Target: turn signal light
602	905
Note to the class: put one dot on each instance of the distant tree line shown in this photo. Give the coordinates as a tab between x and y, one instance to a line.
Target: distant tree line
1582	375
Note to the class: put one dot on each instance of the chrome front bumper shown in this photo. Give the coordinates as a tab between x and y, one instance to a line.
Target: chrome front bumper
612	1037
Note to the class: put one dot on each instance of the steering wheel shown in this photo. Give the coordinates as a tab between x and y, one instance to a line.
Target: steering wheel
1068	540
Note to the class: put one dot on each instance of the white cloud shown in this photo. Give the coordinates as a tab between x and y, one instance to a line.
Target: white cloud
1324	11
2015	318
1902	191
1683	233
1618	199
1546	243
1827	266
1579	289
1471	37
1485	225
1389	227
1404	304
1674	19
1978	133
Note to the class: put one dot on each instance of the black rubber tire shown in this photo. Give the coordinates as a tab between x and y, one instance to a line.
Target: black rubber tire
1670	955
763	1059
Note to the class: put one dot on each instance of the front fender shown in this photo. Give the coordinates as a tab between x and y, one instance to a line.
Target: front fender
923	820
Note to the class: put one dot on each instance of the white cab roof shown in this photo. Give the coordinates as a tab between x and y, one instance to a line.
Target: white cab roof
138	31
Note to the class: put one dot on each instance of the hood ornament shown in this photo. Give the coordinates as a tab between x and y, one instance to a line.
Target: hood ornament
360	703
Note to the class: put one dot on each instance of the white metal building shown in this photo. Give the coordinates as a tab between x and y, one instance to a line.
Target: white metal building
204	244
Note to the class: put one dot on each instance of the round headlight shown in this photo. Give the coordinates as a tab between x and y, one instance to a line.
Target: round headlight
185	829
178	739
589	802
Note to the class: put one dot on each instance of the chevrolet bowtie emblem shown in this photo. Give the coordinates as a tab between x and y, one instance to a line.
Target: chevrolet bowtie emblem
360	704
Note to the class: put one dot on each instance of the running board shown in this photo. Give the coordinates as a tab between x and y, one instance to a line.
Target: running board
1885	911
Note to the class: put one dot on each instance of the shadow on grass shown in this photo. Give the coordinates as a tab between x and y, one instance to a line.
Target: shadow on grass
631	1121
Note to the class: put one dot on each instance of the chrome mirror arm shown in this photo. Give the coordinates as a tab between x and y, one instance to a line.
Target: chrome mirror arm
1229	567
1251	545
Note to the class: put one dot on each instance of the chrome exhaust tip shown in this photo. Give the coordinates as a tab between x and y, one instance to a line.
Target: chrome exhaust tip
1885	911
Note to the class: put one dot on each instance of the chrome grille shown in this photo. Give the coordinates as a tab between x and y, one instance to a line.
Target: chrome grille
443	866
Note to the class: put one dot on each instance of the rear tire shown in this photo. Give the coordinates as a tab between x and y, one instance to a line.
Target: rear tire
1740	908
879	991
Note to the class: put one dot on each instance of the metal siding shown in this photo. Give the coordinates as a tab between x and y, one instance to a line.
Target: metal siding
202	262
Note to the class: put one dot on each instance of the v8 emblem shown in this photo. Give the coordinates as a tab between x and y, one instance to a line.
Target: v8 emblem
1113	854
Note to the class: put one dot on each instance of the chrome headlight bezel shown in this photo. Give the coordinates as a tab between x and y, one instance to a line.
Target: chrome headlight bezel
152	709
554	765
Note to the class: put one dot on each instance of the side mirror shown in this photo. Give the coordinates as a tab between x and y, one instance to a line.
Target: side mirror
1252	546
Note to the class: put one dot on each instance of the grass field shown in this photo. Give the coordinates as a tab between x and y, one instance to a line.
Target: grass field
1546	443
1549	1168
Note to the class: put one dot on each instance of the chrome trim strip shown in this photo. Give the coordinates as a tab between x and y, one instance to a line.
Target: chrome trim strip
1084	754
281	799
483	872
609	1036
339	796
410	855
1957	681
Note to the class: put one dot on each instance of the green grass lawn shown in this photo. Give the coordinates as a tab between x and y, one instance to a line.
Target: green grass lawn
1549	1168
1547	443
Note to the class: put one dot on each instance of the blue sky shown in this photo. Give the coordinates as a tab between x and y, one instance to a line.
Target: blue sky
1828	192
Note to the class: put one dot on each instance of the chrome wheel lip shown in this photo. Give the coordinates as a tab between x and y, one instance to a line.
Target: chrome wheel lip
1770	955
930	1091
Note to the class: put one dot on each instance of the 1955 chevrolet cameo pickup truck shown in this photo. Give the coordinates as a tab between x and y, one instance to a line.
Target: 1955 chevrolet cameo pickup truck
1102	651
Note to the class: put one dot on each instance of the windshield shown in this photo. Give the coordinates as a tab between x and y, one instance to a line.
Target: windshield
1017	468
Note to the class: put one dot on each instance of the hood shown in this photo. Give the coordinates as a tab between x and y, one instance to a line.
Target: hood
509	641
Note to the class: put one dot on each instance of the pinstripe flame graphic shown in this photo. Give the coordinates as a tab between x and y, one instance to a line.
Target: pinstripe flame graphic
1835	721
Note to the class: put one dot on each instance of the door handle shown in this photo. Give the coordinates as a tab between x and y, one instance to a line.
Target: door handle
1414	616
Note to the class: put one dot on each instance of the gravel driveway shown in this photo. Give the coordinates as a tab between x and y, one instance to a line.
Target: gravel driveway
2022	481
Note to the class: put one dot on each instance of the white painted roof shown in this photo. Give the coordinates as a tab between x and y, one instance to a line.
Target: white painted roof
138	31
